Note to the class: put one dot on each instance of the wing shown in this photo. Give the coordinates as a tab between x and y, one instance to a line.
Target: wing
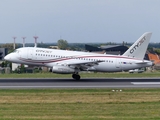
84	65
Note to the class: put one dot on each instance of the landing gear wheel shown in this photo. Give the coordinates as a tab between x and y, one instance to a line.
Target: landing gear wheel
76	76
73	76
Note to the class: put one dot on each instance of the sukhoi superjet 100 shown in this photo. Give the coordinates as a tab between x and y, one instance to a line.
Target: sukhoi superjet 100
73	62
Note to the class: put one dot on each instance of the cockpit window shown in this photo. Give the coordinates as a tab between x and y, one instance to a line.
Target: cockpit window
16	51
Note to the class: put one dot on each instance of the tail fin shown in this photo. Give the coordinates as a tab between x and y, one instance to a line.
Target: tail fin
138	49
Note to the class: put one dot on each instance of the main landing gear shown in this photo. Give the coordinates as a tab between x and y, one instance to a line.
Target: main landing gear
76	76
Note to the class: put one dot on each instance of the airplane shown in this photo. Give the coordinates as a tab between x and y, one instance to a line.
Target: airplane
73	62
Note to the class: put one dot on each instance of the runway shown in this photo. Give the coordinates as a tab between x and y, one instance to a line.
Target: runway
83	83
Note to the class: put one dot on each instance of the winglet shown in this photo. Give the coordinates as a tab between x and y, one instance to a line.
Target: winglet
138	49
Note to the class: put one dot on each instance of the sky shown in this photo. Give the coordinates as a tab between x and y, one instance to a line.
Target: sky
79	21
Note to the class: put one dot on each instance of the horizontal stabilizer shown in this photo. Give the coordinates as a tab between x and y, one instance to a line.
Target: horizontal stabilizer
142	62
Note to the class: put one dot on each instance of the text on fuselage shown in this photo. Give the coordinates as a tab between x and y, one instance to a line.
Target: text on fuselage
44	51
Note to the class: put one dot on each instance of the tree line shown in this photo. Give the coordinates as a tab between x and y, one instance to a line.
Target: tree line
64	45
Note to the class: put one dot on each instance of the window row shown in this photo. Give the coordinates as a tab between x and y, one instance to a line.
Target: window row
57	56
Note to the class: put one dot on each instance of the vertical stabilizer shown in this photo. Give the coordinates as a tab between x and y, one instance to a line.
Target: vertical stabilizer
138	49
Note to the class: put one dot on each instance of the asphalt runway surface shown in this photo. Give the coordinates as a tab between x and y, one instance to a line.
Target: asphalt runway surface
83	83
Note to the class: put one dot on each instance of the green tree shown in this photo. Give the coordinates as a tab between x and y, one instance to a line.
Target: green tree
157	51
8	45
62	44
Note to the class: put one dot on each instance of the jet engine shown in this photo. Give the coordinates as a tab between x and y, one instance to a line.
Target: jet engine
62	69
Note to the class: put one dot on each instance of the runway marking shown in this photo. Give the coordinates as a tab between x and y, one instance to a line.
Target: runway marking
146	83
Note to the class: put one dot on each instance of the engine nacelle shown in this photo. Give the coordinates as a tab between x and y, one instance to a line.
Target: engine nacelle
62	69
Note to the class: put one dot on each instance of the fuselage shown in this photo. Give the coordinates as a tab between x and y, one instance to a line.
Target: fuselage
51	57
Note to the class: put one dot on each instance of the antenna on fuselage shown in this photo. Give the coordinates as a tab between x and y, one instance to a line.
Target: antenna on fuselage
35	37
23	41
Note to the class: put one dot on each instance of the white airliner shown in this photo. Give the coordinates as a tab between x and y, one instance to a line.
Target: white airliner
72	62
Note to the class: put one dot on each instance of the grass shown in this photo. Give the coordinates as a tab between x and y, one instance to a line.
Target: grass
80	104
83	75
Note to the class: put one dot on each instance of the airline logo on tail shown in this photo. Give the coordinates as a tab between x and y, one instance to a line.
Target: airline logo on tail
137	45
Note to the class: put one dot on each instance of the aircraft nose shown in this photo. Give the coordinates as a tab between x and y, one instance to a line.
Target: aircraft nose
6	57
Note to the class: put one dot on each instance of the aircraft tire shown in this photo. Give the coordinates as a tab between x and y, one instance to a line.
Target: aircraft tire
76	77
73	76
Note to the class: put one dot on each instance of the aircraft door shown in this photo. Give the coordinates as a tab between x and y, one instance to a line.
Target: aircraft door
30	54
118	63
